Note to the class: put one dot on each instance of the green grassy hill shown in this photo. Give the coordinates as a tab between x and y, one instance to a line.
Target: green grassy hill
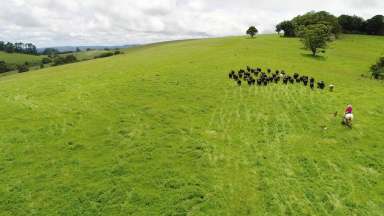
87	55
162	131
18	58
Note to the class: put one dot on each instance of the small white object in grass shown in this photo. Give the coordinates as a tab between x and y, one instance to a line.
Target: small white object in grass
331	87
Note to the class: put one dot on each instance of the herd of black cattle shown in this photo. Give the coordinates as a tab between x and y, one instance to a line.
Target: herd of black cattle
258	77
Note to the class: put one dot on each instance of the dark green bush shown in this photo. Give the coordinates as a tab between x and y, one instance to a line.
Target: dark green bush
22	68
46	60
104	55
377	70
4	67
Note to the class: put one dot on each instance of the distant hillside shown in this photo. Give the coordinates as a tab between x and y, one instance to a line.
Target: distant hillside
17	58
73	48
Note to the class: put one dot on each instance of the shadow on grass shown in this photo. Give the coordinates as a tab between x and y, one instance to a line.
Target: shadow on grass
317	57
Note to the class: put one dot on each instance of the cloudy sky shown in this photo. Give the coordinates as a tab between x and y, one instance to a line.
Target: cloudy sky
116	22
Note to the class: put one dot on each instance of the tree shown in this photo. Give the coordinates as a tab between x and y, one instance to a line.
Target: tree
288	27
351	24
22	68
252	31
70	59
58	61
64	60
78	49
315	37
2	45
46	60
377	70
9	47
51	52
375	25
4	67
321	17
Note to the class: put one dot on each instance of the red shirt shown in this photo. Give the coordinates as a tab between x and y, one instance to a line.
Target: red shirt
348	110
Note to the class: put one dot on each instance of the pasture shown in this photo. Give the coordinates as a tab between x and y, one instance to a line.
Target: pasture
87	55
161	130
18	58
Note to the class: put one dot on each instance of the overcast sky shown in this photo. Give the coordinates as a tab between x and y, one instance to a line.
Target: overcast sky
116	22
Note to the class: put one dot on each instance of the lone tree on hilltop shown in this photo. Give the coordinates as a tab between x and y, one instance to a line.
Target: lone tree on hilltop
252	31
314	37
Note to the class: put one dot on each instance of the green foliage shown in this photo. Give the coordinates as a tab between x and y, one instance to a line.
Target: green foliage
314	37
4	67
375	25
252	31
22	68
351	24
162	131
321	17
104	55
60	60
26	48
288	27
46	60
377	69
51	52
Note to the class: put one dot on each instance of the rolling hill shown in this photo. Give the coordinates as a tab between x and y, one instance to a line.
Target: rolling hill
87	55
18	58
161	130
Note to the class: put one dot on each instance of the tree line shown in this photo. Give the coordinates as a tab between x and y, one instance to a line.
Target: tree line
336	25
26	48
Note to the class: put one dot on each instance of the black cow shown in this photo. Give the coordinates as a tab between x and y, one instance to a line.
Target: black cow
321	84
296	75
312	82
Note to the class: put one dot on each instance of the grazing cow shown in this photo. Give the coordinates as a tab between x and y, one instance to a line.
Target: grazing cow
248	69
321	84
259	81
291	80
231	74
285	80
239	82
312	82
269	70
296	75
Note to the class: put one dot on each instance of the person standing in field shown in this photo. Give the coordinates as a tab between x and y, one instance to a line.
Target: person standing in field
348	116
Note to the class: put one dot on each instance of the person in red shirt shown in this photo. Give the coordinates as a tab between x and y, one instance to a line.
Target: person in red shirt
349	109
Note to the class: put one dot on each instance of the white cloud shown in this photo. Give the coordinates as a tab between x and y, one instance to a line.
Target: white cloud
92	22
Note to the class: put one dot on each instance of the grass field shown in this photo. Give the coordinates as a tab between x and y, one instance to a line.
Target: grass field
18	59
88	55
162	131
